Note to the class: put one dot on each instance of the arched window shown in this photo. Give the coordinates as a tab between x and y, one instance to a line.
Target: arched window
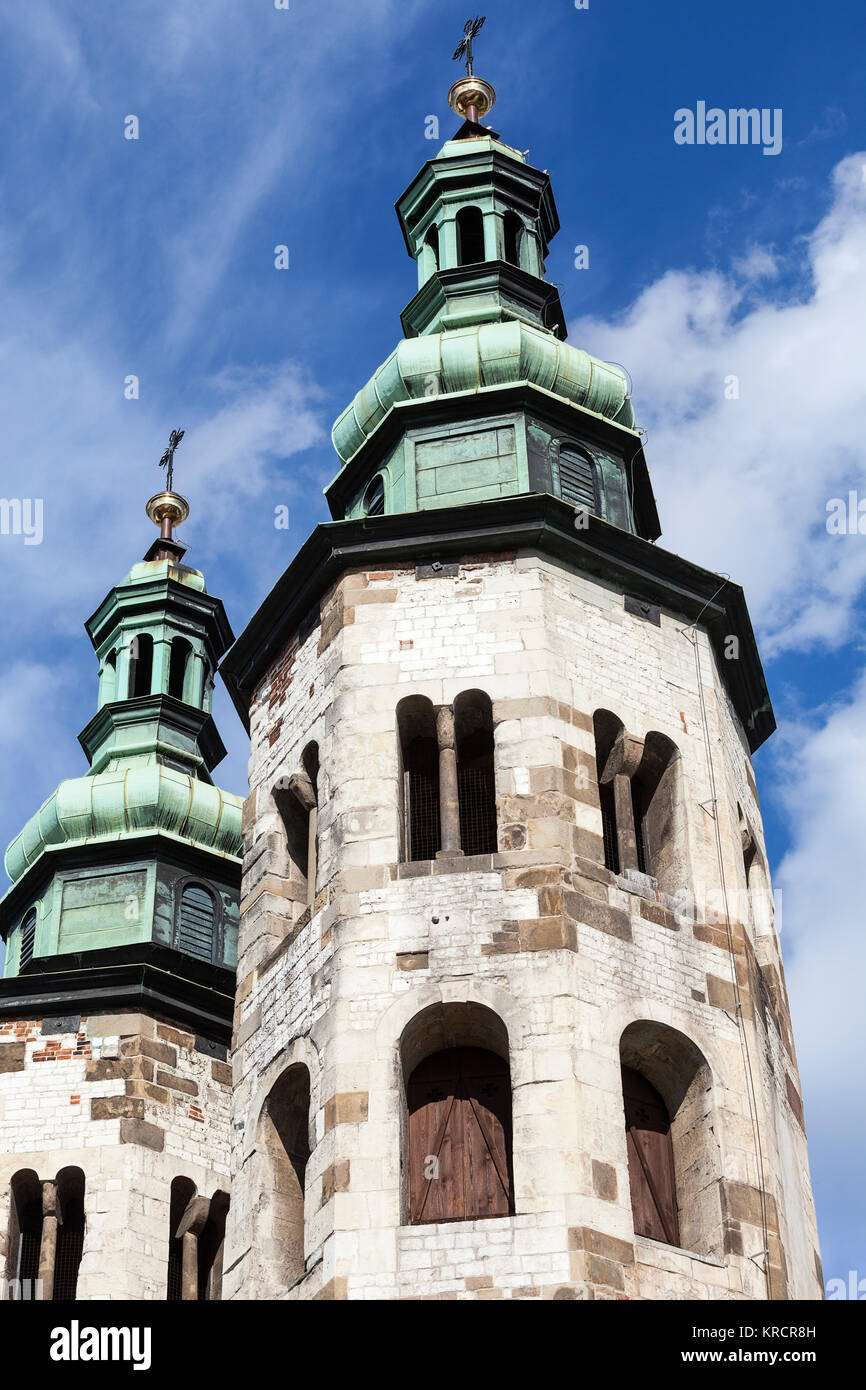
513	228
296	800
196	1238
470	236
651	1173
283	1146
28	938
671	1139
419	760
577	478
140	665
458	1101
196	926
70	1234
54	1255
181	652
658	813
476	783
607	729
25	1228
374	498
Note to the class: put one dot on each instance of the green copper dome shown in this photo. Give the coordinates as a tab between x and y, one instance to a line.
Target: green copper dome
127	802
474	359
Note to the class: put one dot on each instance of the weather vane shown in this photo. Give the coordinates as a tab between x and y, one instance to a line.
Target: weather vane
167	460
464	47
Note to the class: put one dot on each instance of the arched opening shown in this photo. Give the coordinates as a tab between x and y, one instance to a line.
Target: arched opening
70	1233
476	782
109	678
759	898
513	234
181	653
607	729
577	478
196	923
673	1153
658	813
296	800
470	236
25	1228
419	778
283	1142
374	498
140	665
182	1193
458	1115
430	252
28	939
211	1244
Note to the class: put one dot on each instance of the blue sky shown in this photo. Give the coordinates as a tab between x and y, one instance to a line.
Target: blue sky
258	127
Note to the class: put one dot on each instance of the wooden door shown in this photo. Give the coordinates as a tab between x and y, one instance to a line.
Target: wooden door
459	1137
651	1172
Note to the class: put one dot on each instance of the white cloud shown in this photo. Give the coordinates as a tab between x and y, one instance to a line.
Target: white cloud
742	484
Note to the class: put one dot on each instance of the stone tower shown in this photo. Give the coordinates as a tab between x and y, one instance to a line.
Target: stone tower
121	945
511	1018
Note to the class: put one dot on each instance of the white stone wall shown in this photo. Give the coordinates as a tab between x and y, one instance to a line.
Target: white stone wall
132	1103
541	934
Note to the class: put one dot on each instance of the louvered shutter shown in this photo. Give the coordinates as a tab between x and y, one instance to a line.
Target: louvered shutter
28	940
195	933
576	479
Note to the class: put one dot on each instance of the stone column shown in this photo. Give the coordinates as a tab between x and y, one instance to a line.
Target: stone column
622	764
192	1223
48	1243
449	805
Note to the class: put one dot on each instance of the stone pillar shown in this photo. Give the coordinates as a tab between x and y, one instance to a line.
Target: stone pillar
622	764
192	1223
48	1243
449	805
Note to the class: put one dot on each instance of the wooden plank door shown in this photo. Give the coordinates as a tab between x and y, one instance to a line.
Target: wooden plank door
459	1137
651	1173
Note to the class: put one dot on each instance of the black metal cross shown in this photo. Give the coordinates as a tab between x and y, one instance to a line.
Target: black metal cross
167	460
464	48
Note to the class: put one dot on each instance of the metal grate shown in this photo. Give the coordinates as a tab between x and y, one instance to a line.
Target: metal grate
67	1258
28	939
196	930
577	479
374	497
28	1252
608	826
174	1289
639	811
477	796
421	800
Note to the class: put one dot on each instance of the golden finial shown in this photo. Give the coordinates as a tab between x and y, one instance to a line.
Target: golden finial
168	509
470	97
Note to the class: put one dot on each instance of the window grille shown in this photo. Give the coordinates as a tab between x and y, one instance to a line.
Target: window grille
67	1258
639	809
374	497
30	1240
608	826
477	795
421	799
577	479
196	928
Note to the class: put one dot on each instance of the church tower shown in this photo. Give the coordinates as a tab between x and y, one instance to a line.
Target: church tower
121	944
511	1019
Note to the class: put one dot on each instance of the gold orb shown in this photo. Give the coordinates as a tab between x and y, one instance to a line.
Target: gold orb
167	505
471	91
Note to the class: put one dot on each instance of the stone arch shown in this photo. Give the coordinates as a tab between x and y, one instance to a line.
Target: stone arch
421	835
25	1225
279	1172
456	1114
679	1072
470	236
476	779
659	813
